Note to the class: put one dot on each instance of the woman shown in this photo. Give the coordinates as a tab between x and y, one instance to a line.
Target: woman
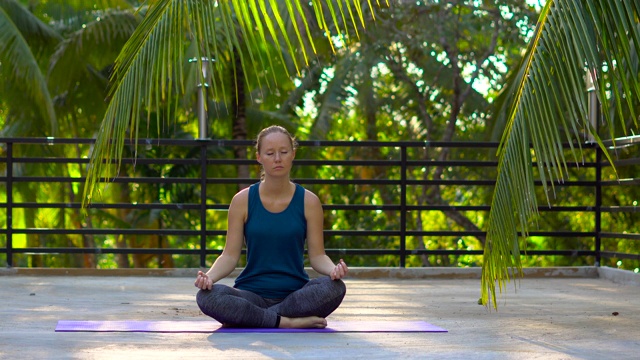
274	217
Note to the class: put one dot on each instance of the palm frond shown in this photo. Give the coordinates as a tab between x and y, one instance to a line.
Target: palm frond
96	45
38	34
149	71
69	16
548	107
19	64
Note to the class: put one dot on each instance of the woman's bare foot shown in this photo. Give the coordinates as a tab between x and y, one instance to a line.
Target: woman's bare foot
314	322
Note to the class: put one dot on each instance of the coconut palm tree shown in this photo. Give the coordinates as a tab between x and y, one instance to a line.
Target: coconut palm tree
54	78
547	104
150	70
25	43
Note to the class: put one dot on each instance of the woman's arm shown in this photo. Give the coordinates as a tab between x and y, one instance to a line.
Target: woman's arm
227	261
319	260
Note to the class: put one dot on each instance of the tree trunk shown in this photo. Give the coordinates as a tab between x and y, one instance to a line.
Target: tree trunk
239	117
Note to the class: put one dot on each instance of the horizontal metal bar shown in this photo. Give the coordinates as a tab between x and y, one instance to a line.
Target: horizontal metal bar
46	141
452	163
87	231
329	251
621	182
310	143
522	252
68	250
225	143
451	182
626	162
619	255
617	235
621	142
558	252
151	206
620	209
118	180
298	162
194	180
566	234
408	144
337	207
483	163
328	233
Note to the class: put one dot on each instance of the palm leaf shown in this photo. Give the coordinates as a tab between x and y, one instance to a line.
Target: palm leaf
75	13
94	46
18	56
149	71
548	106
37	34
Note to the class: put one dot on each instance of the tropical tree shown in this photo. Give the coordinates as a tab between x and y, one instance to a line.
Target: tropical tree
423	83
55	62
26	43
546	104
155	57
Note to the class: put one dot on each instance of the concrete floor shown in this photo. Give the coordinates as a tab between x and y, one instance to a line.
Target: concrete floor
553	314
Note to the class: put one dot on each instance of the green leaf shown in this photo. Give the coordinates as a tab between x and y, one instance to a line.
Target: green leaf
18	63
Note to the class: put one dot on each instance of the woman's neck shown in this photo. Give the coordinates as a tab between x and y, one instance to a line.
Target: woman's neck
277	186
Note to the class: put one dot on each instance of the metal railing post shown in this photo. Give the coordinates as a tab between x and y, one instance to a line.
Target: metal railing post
202	97
598	209
594	114
403	207
9	231
202	135
203	205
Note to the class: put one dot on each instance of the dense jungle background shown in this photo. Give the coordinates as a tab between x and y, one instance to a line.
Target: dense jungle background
416	71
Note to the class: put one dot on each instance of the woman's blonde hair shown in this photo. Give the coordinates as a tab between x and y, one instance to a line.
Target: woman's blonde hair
270	130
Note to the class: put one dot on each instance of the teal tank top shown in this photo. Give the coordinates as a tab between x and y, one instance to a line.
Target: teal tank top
275	247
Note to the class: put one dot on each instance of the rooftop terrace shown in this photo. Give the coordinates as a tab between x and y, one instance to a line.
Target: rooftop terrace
558	313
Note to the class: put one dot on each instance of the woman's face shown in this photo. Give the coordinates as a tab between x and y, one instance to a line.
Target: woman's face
276	154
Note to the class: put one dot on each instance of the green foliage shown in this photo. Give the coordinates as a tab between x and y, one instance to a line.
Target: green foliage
24	42
546	104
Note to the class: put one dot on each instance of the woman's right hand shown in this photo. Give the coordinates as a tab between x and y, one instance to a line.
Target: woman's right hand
203	282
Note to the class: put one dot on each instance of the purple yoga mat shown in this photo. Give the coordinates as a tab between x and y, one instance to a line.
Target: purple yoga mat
187	326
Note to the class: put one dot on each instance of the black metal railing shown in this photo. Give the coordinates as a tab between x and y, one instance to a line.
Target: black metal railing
31	165
626	158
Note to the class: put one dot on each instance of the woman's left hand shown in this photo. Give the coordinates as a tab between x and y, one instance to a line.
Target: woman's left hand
203	282
340	270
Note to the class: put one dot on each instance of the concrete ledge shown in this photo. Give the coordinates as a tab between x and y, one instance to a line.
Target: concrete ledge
618	276
562	272
356	273
466	273
97	272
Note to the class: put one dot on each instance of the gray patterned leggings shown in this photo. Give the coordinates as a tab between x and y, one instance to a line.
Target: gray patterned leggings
241	308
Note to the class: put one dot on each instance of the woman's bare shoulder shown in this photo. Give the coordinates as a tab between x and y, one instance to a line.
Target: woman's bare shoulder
308	194
242	194
240	199
311	200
